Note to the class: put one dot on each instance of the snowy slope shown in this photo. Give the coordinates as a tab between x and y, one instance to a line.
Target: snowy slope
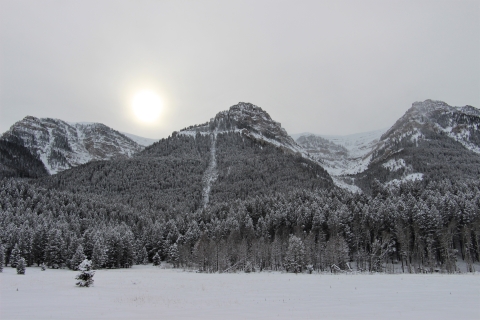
341	155
61	145
425	121
140	140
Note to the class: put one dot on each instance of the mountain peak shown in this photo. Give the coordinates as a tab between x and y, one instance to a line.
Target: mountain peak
61	145
247	119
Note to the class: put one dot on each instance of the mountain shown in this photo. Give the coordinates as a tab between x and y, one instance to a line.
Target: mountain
140	140
60	145
431	141
237	193
238	154
340	154
250	121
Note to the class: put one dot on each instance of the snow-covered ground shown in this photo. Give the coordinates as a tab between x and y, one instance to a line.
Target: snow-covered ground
147	292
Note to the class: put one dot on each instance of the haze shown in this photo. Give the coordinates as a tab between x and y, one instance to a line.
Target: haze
329	67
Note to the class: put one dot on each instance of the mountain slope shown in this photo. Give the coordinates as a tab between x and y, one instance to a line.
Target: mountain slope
17	161
60	145
229	158
341	154
431	141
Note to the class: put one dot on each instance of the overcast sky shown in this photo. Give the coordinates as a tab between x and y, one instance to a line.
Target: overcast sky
328	67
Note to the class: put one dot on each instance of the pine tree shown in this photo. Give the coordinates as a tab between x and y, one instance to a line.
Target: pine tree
295	257
77	258
15	256
21	266
144	256
85	277
2	258
173	255
156	259
98	255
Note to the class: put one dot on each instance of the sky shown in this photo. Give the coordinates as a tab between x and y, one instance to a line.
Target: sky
327	67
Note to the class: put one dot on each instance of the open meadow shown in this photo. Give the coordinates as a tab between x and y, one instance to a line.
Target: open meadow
147	292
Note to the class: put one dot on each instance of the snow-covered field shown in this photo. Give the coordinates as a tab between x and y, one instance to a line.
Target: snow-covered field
147	292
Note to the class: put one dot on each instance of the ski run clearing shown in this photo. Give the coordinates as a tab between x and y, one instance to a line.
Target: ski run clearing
147	292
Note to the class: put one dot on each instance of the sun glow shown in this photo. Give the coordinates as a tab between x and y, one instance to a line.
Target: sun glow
147	106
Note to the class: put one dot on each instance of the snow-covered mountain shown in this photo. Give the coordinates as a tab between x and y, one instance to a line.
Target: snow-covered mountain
423	141
61	145
461	124
140	140
341	155
249	120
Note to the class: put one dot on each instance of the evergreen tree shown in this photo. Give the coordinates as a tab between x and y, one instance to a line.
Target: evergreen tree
98	255
295	256
144	256
77	258
173	256
156	259
15	256
85	277
21	264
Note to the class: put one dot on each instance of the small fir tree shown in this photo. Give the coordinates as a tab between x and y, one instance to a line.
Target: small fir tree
15	256
21	266
85	277
156	259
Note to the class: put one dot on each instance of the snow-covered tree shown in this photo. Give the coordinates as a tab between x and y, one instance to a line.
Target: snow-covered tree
173	255
98	255
77	258
295	257
156	259
85	277
14	256
144	256
21	264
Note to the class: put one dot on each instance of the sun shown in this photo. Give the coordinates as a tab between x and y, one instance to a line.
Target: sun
146	106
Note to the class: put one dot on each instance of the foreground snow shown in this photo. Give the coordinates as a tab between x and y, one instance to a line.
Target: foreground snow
146	292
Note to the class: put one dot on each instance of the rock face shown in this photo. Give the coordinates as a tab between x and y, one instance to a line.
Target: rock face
341	155
249	120
435	117
432	139
60	145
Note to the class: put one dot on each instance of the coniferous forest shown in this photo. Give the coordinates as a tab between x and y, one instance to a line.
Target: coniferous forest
266	209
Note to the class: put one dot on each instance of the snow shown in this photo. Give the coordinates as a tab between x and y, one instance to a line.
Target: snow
358	144
350	187
408	177
147	292
210	174
359	147
394	164
140	140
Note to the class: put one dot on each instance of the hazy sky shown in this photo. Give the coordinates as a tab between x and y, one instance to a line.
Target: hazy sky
331	67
